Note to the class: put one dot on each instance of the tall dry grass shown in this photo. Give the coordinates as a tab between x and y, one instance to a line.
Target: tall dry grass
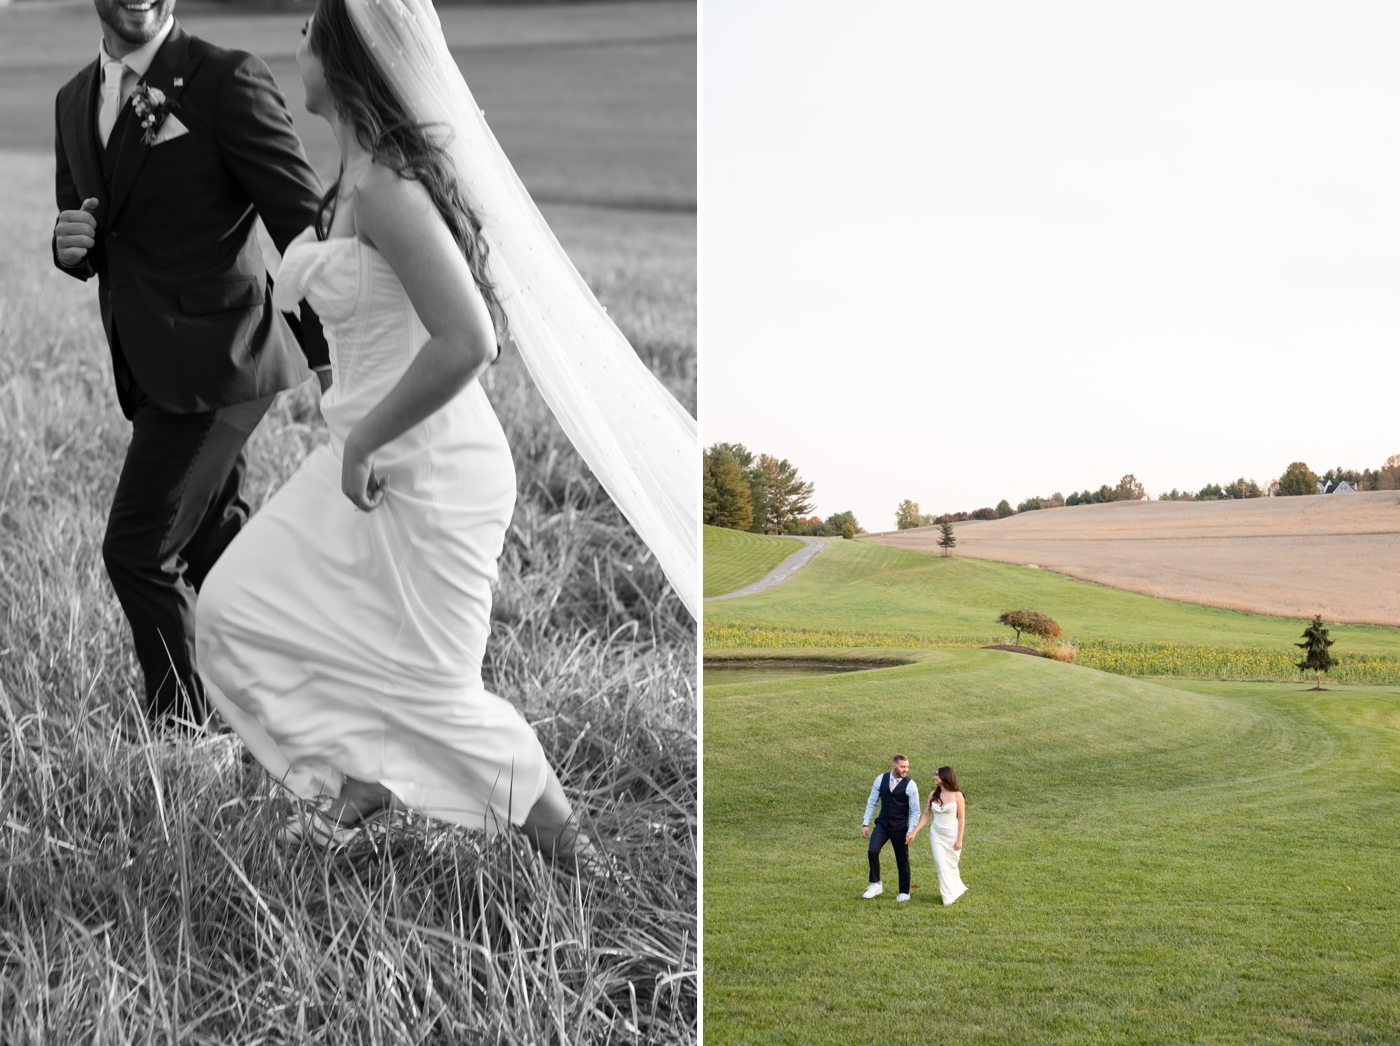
142	897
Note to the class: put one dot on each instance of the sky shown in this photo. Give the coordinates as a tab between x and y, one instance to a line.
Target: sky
963	252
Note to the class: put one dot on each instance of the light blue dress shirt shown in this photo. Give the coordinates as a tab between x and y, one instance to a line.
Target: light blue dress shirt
913	795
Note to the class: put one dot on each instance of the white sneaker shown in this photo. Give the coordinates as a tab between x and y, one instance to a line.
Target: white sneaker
902	897
875	890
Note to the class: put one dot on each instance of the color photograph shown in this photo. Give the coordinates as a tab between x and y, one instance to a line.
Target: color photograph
1052	523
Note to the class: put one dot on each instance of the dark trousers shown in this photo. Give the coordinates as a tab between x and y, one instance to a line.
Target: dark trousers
878	836
177	506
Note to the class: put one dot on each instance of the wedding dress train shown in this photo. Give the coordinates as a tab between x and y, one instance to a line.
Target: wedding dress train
339	642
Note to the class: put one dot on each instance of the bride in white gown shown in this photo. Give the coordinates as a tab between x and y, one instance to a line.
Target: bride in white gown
948	811
342	634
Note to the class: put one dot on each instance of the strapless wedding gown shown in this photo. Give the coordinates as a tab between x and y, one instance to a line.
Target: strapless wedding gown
942	836
339	642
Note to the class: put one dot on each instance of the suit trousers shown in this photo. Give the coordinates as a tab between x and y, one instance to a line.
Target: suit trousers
177	506
879	834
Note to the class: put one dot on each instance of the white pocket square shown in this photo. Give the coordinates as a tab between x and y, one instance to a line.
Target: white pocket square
172	128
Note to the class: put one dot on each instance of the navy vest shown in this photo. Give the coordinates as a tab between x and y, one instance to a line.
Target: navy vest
894	804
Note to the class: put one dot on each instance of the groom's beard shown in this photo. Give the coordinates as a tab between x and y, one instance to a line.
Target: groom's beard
135	22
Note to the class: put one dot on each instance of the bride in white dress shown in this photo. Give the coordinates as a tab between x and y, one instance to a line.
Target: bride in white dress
948	810
342	634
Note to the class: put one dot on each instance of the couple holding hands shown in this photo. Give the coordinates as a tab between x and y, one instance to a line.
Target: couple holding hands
899	821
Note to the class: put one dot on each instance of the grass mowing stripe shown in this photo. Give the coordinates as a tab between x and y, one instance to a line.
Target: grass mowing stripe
875	589
735	558
1147	863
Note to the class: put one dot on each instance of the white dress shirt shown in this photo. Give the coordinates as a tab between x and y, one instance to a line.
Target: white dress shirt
119	78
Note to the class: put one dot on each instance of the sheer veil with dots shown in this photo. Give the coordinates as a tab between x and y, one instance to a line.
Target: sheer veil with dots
636	437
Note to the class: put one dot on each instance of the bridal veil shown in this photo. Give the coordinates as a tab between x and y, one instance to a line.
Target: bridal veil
635	436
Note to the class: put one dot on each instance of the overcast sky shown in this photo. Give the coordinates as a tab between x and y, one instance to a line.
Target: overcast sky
965	252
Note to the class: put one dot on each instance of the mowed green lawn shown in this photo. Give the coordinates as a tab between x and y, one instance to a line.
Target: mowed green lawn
734	558
1148	862
873	588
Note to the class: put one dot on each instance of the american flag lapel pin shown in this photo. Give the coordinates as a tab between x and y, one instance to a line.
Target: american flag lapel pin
179	81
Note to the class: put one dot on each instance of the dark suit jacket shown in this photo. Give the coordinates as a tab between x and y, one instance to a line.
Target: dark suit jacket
185	298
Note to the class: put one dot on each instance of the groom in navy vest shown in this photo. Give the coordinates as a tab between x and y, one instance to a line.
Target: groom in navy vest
898	799
168	150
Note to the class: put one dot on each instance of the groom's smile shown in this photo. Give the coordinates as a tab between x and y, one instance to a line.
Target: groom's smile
135	21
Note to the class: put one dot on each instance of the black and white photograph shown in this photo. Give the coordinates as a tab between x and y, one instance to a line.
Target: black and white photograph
349	521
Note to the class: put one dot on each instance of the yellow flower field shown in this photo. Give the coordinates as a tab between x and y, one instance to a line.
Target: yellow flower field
1181	660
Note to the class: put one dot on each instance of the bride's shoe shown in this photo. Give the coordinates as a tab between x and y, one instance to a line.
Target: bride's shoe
329	831
318	828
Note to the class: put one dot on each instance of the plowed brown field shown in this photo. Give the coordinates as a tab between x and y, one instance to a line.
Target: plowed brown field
1337	555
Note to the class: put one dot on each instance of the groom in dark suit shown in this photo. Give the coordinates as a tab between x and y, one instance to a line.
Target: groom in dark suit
168	150
898	798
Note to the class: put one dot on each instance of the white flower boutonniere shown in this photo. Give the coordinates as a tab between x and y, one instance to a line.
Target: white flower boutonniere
151	107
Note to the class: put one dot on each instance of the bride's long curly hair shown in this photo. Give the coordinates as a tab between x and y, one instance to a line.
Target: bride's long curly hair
945	777
365	101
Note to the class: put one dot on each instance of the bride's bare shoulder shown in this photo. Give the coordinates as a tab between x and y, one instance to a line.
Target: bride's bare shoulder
384	191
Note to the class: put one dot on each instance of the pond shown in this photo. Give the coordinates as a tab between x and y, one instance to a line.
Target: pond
725	672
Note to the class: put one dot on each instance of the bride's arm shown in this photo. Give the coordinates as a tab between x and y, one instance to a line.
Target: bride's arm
962	817
398	218
923	820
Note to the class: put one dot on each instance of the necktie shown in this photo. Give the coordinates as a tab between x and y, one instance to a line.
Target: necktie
111	99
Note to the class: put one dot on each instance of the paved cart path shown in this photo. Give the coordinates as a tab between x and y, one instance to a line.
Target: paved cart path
781	572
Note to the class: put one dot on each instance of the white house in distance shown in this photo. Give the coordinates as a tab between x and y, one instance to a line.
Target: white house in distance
1341	488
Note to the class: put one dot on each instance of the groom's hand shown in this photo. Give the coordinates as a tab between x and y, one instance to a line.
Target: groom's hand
865	831
910	837
76	233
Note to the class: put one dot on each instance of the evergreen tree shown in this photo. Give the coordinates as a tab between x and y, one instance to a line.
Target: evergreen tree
1004	509
1243	488
946	540
1129	489
785	495
1316	653
726	499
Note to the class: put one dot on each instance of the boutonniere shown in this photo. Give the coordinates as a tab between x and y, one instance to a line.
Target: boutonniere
151	107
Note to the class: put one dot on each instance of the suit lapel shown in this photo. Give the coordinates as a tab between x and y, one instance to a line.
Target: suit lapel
80	135
170	63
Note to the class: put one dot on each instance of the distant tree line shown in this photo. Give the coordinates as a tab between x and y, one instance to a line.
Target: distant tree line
1240	488
1296	480
907	516
763	494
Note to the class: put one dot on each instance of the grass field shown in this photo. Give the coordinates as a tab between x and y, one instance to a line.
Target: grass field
734	558
594	103
1147	862
858	591
1337	555
142	896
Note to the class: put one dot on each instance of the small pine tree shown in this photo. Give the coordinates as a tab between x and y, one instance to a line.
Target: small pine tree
848	530
946	540
1316	655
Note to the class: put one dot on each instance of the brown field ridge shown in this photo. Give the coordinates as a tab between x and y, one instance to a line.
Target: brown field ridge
1337	555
